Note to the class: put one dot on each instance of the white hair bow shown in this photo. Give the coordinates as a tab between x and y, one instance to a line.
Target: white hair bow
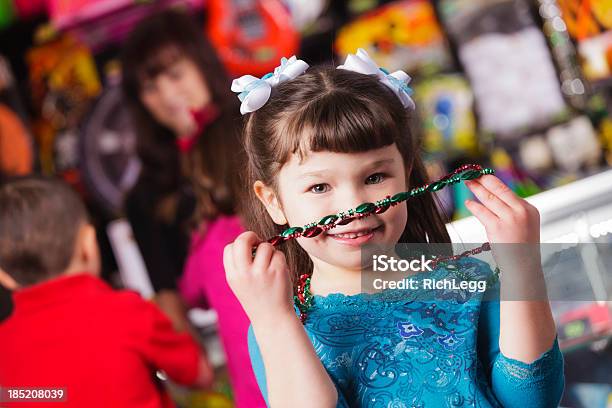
254	92
396	81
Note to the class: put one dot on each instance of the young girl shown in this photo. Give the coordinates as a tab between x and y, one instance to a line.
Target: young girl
328	140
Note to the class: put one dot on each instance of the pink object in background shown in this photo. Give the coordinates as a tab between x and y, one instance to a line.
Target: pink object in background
203	284
68	12
29	8
98	23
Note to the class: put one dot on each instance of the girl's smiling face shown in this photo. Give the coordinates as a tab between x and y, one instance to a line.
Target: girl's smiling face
325	183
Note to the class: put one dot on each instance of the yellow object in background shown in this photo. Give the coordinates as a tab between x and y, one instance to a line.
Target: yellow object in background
208	400
401	35
445	104
64	81
606	138
602	9
586	18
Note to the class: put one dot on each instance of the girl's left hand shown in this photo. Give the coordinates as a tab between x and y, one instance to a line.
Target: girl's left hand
513	229
506	217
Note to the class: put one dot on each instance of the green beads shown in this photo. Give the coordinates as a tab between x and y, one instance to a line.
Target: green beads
464	173
453	180
415	192
469	175
399	197
437	186
329	219
291	231
365	208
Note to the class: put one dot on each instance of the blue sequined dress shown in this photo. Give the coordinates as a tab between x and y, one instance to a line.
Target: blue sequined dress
400	348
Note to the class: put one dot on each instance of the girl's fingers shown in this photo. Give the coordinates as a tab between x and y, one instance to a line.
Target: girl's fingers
497	187
482	213
228	258
489	199
278	261
263	256
242	249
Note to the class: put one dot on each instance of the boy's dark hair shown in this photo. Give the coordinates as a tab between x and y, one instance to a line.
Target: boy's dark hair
40	219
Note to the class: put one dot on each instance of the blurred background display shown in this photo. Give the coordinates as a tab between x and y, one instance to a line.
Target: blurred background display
523	86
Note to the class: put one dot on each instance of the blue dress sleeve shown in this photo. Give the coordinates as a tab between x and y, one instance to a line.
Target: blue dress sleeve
517	384
257	364
260	373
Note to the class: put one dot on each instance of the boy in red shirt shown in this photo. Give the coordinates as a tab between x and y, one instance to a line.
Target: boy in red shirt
69	331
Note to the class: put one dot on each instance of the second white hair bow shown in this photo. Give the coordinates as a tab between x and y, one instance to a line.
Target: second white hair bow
254	92
396	81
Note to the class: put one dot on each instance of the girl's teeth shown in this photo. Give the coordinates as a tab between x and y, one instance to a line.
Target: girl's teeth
352	236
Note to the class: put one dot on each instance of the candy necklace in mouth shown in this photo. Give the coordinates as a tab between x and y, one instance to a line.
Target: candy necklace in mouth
463	173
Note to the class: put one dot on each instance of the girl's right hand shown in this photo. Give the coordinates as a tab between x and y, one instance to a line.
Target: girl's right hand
261	284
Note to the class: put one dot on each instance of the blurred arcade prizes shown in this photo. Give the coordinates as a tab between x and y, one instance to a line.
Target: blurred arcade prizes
251	36
64	81
500	45
445	106
403	35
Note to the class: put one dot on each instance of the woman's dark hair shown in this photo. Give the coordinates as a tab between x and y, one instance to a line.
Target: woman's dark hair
328	109
211	165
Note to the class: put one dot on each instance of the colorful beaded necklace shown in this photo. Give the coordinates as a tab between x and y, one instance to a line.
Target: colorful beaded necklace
303	297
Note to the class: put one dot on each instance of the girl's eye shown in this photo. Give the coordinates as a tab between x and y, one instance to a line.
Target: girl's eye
319	188
375	178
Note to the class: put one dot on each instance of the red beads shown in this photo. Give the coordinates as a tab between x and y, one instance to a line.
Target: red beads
346	221
312	232
277	240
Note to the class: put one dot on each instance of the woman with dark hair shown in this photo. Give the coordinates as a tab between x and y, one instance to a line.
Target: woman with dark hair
183	207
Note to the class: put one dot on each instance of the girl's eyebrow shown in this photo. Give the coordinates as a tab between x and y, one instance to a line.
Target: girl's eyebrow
322	172
381	162
317	173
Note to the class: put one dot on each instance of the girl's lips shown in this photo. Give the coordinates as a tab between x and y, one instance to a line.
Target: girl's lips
358	240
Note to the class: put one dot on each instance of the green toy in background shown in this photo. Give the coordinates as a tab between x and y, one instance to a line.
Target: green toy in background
7	13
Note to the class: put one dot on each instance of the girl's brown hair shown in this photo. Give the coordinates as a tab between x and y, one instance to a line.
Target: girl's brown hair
211	165
336	110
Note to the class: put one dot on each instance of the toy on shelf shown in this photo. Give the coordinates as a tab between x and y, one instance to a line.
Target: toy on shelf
499	45
98	23
445	105
64	81
109	163
588	22
586	18
564	53
251	36
575	144
403	35
305	13
512	175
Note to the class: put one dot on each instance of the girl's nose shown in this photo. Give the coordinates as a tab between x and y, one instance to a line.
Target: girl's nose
351	197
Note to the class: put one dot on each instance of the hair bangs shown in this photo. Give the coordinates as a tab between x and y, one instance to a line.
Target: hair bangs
155	61
340	122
